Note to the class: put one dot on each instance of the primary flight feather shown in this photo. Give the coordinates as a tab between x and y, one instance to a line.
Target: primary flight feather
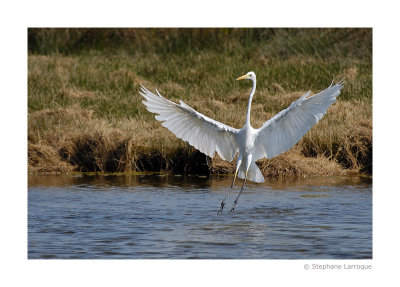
276	135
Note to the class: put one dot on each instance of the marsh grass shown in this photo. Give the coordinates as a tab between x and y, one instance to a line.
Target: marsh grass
85	113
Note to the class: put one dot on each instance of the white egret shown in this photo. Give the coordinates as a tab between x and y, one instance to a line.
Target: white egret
276	135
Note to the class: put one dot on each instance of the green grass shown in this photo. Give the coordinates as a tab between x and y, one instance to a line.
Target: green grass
86	85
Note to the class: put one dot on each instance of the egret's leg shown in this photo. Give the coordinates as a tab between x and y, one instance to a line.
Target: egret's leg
226	196
237	198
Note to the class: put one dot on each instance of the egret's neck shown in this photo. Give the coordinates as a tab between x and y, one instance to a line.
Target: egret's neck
253	90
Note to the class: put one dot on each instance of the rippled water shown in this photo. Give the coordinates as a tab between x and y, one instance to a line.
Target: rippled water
149	216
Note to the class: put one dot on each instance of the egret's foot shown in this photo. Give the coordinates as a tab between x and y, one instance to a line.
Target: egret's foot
233	207
221	208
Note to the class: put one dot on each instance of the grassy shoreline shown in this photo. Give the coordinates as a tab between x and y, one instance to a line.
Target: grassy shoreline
85	113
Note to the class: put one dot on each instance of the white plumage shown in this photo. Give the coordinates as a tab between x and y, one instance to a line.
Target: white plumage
201	132
276	135
285	129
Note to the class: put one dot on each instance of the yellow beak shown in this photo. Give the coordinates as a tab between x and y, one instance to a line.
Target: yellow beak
243	77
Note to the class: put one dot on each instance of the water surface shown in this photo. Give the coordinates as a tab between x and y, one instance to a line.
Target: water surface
167	216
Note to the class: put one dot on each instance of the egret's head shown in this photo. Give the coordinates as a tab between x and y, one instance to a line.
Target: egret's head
248	76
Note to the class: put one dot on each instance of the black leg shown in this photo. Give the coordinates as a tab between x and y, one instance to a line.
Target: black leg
237	198
226	196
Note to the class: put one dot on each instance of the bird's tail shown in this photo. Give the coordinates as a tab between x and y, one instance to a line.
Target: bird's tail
254	174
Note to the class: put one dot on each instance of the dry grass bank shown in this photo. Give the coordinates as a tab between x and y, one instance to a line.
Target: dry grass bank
68	139
85	113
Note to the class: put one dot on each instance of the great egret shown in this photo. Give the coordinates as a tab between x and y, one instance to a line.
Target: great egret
276	135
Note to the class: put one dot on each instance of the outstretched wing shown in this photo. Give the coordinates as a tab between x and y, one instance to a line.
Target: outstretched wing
203	133
285	129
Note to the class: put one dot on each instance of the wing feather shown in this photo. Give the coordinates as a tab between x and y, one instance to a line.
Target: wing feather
285	129
201	132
